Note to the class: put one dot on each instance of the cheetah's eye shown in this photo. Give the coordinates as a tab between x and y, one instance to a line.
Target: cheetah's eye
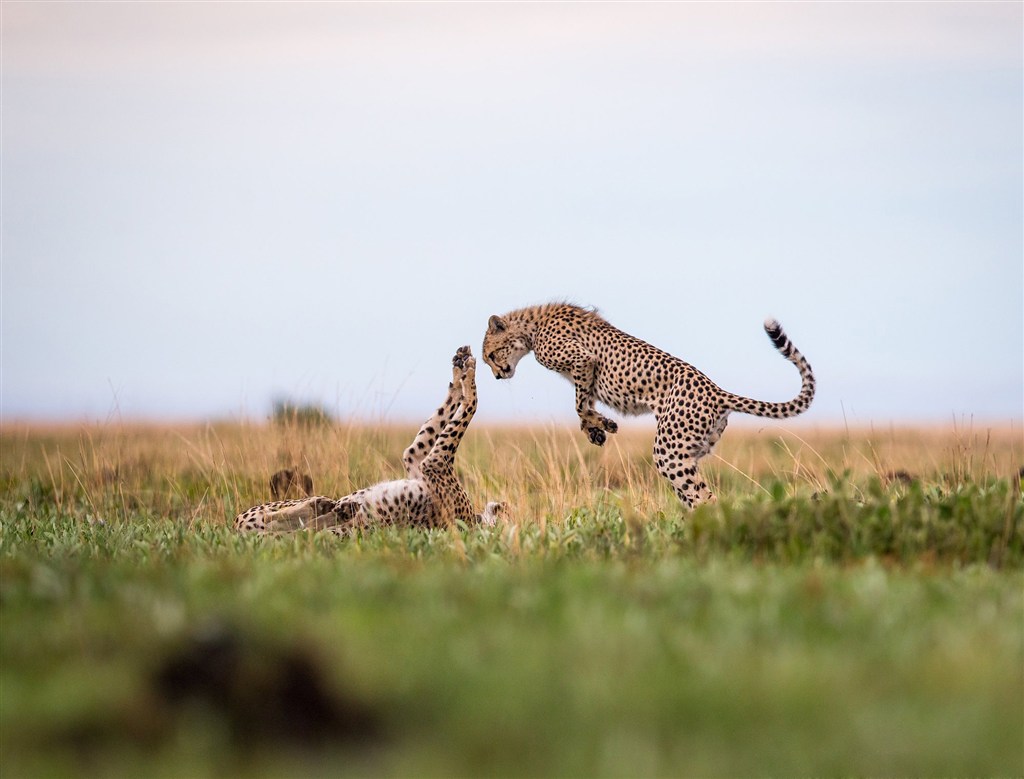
491	357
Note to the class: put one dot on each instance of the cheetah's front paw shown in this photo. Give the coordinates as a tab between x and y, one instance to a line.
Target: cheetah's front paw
597	428
462	354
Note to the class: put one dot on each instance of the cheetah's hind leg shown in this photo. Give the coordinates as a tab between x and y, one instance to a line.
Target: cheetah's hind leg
677	456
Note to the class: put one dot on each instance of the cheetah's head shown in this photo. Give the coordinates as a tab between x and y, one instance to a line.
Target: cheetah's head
503	348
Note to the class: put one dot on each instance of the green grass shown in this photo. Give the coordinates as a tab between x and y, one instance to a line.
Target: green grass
806	625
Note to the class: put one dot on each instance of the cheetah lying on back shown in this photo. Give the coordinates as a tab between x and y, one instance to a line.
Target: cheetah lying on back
430	495
634	377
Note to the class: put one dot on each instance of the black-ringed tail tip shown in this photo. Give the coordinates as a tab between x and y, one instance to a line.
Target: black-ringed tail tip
774	330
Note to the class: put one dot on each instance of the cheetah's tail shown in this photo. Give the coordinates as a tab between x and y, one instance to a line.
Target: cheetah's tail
791	408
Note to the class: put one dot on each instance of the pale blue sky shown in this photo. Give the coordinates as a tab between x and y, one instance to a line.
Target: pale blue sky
208	205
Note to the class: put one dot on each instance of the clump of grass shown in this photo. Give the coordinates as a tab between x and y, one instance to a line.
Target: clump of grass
964	526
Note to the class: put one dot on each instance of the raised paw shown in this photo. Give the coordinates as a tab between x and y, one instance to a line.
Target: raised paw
596	435
462	354
609	425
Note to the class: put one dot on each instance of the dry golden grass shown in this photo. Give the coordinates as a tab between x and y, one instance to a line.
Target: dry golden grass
215	470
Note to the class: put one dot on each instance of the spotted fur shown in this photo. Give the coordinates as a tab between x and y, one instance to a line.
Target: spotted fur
430	495
633	377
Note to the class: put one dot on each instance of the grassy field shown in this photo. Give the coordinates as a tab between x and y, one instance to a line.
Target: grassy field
853	605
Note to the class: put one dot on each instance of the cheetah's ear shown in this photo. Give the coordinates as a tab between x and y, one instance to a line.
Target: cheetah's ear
496	324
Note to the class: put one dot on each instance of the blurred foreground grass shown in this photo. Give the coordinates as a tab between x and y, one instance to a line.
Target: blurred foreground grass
854	605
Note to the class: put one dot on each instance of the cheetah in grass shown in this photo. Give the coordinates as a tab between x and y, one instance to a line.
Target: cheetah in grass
634	377
429	496
290	481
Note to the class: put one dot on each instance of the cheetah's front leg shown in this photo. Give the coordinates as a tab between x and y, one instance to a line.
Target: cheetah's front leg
593	424
422	445
463	378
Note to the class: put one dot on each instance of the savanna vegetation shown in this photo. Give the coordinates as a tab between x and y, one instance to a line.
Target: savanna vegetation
852	605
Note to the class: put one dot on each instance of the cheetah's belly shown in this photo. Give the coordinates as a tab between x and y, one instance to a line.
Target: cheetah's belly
621	397
404	501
